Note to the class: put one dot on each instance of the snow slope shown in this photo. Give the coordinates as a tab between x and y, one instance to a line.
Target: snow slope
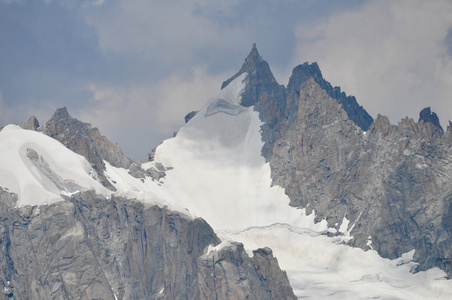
40	169
219	174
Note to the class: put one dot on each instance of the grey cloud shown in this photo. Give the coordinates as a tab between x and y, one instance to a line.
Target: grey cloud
148	113
391	55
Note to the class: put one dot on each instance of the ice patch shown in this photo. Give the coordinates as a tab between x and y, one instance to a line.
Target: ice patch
346	237
219	173
344	225
146	190
406	258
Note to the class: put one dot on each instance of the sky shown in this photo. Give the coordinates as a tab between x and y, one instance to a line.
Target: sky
135	68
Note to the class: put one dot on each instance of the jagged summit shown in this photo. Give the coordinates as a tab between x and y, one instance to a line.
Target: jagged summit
252	60
355	112
262	87
303	72
61	113
428	116
259	72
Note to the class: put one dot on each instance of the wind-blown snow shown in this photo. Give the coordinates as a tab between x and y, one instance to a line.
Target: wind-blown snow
39	169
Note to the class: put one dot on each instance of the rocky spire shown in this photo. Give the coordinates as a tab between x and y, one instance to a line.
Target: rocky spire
427	116
81	138
260	78
252	61
355	112
31	124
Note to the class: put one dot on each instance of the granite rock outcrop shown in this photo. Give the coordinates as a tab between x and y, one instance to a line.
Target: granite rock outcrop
228	273
87	141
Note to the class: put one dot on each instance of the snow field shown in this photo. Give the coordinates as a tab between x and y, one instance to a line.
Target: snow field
57	172
319	268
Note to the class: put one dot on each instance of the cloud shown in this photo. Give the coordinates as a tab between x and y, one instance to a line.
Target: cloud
96	2
20	112
141	116
161	36
392	55
12	1
179	95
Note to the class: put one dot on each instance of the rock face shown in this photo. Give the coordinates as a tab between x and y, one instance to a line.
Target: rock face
190	115
230	274
427	116
392	182
87	141
89	247
355	112
31	124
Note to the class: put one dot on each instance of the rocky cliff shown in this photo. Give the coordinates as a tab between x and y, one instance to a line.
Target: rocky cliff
81	138
389	185
228	273
89	247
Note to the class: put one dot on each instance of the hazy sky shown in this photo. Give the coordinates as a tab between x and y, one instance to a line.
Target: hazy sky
134	68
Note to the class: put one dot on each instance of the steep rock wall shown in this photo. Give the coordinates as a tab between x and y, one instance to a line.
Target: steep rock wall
89	247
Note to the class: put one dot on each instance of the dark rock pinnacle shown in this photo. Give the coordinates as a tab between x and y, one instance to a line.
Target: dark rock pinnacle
428	116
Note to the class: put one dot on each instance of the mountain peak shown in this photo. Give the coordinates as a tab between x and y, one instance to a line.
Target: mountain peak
61	113
428	116
31	124
355	112
252	60
254	63
260	78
